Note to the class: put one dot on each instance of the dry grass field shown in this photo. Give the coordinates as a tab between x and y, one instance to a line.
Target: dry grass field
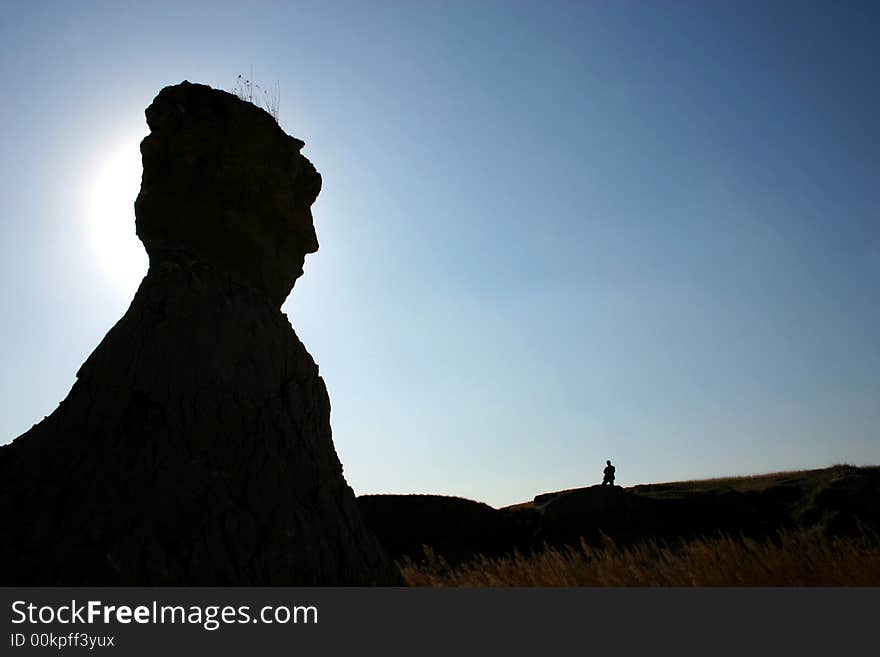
795	559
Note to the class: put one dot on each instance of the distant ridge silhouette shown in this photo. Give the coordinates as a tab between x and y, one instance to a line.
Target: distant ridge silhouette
841	501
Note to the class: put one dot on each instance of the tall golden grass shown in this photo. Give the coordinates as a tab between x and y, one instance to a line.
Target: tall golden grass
794	559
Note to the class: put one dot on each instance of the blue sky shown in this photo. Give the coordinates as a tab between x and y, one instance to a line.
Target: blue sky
551	233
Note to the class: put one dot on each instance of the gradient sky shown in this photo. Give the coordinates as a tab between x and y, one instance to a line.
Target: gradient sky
551	233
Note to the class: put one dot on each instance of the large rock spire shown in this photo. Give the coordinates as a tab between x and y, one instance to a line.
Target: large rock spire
195	446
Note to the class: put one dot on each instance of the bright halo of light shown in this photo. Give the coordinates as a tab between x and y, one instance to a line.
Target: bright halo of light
117	250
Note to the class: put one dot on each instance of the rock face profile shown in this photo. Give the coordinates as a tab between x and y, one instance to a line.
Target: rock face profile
195	447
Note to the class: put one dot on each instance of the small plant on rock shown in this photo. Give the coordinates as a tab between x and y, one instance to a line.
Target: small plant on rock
268	99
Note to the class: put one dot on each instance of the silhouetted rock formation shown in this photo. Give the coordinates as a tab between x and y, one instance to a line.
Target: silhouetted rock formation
455	527
195	445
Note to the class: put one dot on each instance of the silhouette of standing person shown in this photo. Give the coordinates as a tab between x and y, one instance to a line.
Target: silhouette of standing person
609	474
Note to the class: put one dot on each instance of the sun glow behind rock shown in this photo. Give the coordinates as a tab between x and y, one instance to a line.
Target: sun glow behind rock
119	254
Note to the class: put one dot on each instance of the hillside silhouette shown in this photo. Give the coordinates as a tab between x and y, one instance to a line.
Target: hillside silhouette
841	501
